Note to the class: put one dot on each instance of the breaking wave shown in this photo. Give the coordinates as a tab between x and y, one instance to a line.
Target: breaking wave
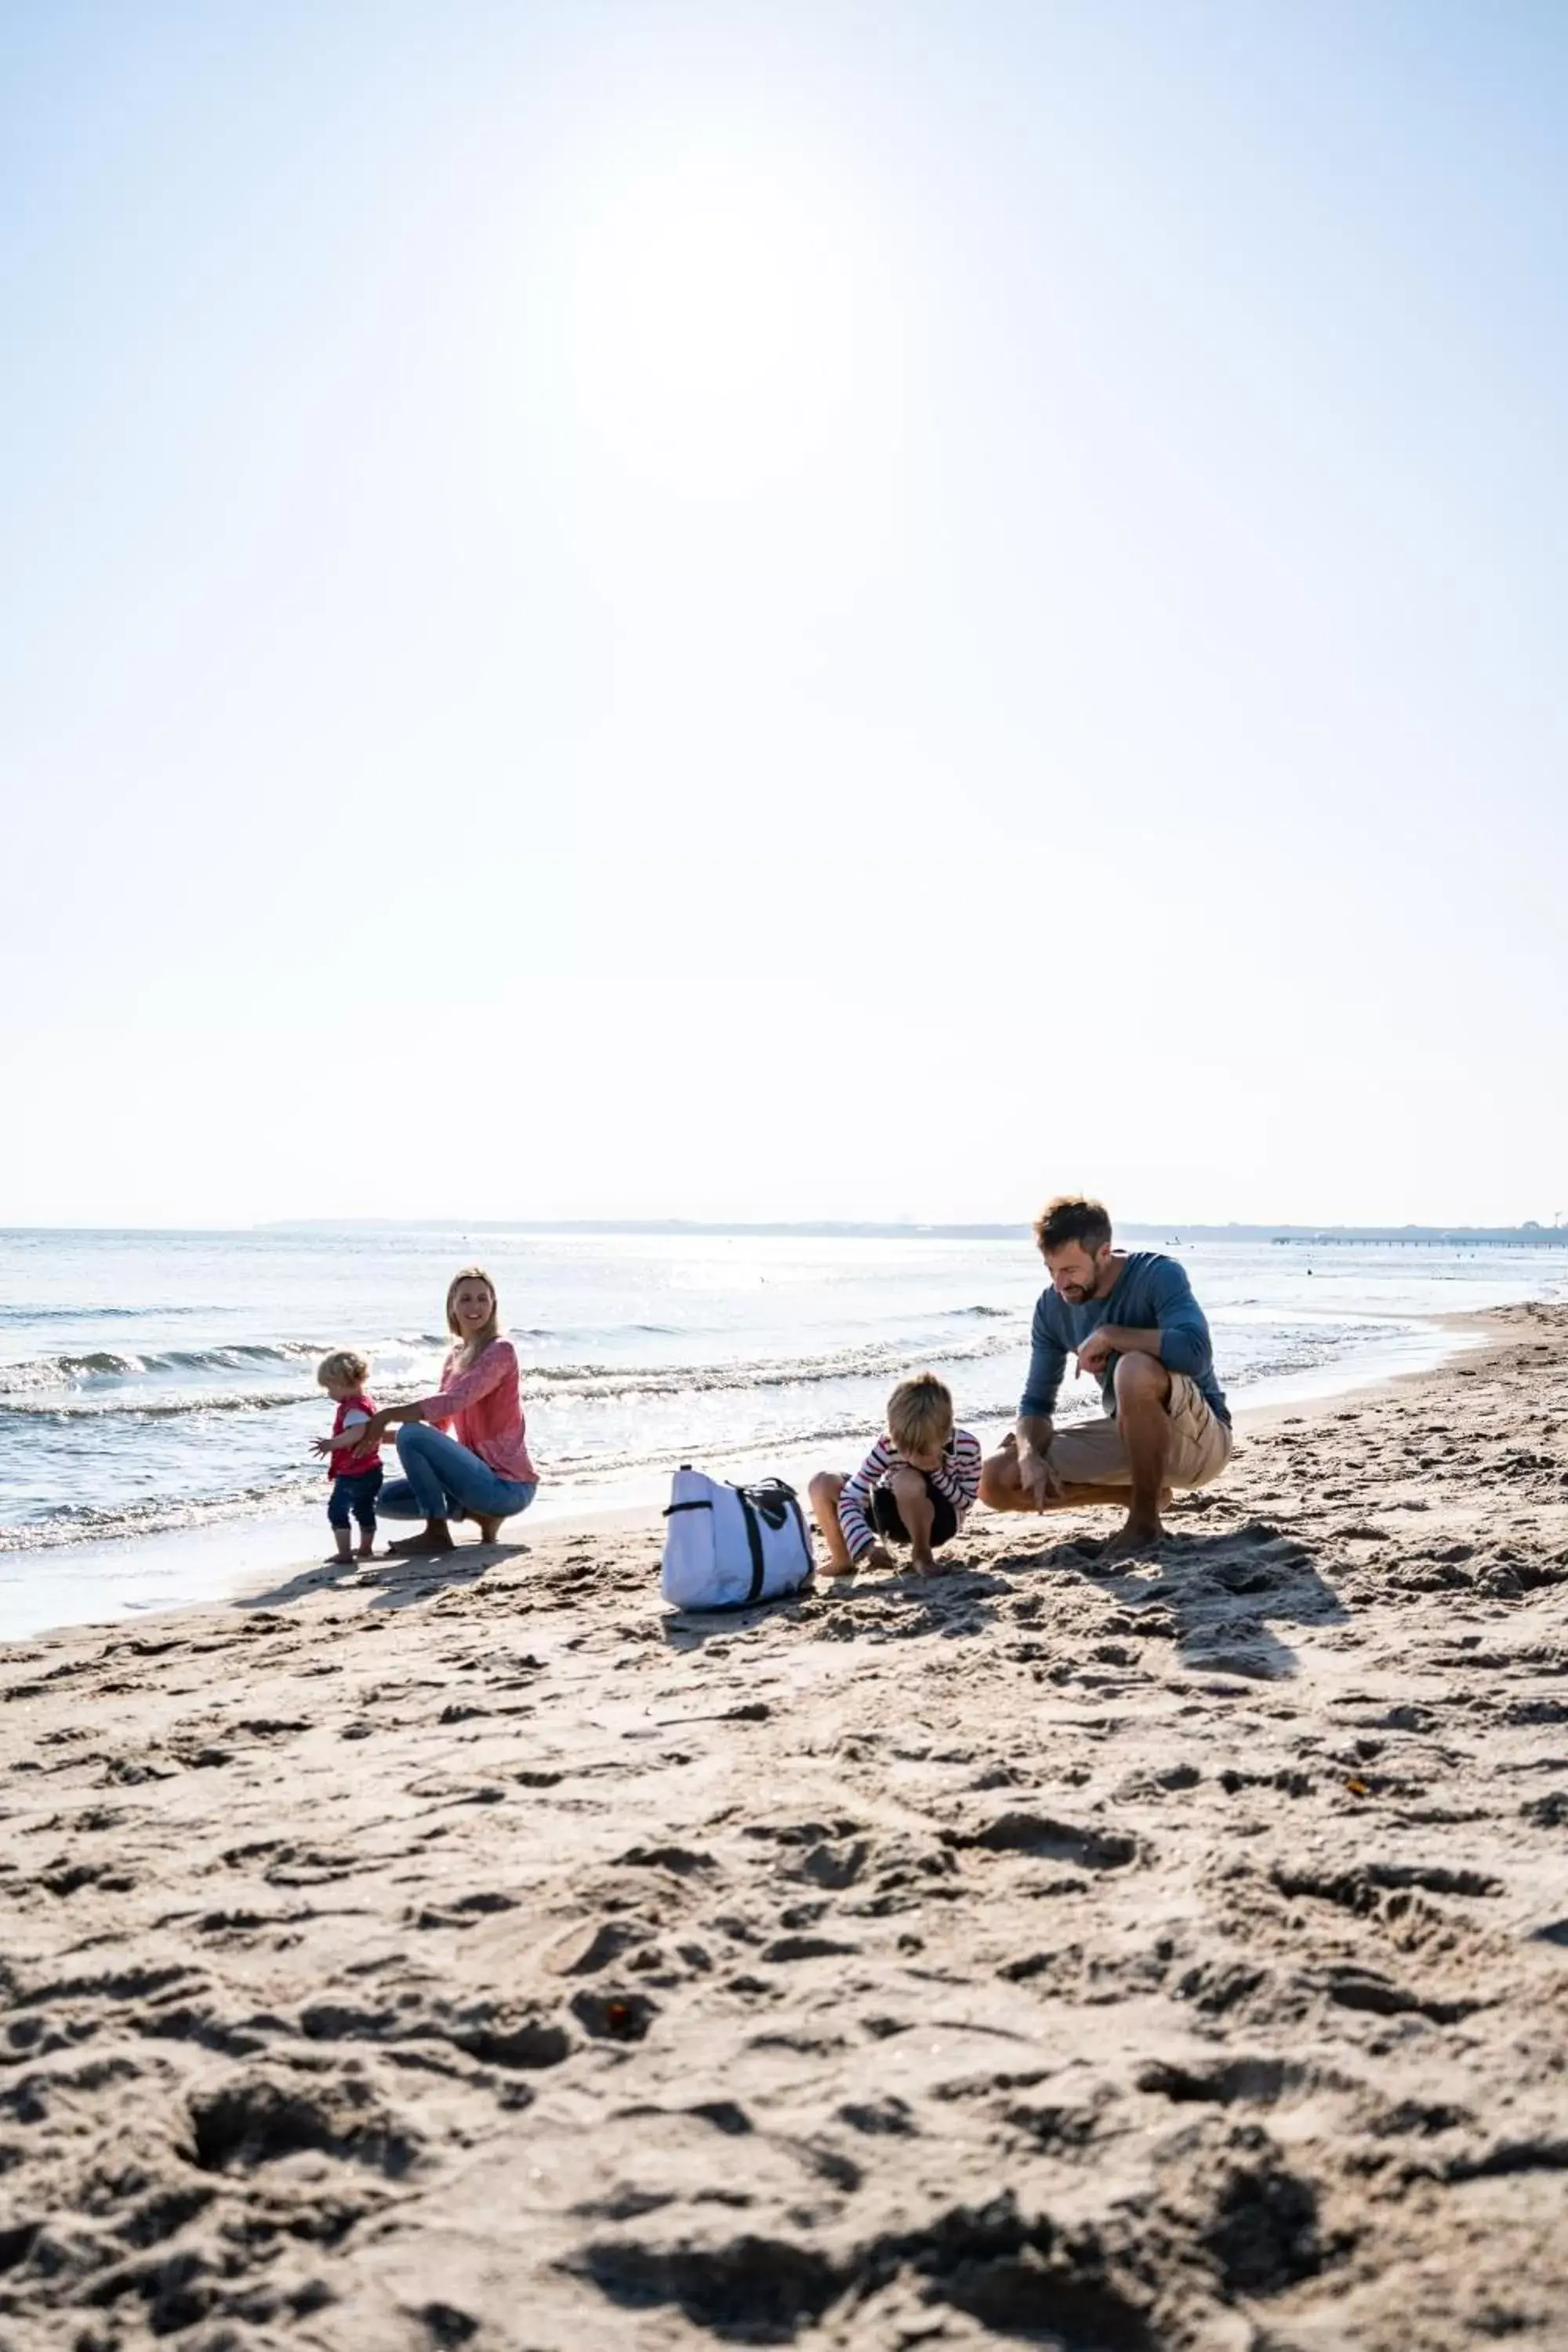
68	1372
10	1312
103	1380
872	1360
76	1523
39	1412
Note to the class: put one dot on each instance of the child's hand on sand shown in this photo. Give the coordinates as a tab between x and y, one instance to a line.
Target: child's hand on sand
877	1557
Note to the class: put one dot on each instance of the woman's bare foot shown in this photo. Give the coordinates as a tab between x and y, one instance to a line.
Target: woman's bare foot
365	1551
438	1537
489	1530
923	1563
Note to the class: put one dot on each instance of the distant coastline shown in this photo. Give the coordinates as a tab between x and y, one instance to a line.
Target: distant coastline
1527	1237
1173	1231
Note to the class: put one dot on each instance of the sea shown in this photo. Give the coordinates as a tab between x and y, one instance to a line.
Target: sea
158	1394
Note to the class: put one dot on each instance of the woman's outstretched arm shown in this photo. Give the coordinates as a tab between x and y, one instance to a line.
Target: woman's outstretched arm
373	1431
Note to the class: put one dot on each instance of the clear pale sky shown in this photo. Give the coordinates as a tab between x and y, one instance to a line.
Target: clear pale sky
785	610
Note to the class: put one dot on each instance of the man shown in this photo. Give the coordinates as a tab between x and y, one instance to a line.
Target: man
1135	1326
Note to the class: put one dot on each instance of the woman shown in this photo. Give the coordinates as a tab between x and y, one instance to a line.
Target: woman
483	1473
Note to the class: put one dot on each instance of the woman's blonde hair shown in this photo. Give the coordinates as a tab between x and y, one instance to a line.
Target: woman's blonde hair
343	1364
920	1415
480	1339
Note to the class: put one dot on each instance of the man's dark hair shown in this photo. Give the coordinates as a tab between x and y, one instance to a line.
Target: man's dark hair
1068	1219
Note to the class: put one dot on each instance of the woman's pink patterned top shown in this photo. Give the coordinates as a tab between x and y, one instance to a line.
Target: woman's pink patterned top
484	1410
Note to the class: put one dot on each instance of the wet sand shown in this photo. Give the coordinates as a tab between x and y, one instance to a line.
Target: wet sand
1174	1956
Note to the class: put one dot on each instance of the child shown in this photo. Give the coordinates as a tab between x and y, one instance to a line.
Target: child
915	1486
356	1476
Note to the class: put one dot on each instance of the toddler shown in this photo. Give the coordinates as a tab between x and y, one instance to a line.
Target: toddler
356	1475
915	1486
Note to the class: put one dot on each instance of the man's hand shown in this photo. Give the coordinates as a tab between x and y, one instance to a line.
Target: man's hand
1095	1354
1036	1478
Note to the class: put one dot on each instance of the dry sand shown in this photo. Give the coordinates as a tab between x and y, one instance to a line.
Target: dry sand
1168	1957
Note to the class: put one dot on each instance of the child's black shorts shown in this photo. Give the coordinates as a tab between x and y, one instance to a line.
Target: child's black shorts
357	1495
887	1522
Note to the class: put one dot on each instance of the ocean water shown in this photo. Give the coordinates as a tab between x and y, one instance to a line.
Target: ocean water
152	1381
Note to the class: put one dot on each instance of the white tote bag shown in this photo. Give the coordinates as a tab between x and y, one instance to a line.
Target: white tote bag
727	1546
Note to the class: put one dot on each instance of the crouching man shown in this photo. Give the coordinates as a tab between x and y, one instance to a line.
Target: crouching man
1132	1323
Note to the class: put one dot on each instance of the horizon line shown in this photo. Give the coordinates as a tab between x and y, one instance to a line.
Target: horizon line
828	1228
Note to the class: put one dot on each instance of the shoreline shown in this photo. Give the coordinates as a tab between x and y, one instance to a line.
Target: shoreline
224	1559
1172	1956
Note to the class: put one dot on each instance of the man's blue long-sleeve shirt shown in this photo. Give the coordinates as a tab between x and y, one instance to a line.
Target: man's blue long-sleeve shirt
1152	1294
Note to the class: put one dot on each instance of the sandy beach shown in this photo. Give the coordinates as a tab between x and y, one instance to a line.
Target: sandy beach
1168	1958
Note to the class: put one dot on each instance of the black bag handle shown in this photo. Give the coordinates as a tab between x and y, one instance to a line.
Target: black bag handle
754	1542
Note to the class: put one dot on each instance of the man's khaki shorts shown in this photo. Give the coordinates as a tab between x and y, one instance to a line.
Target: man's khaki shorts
1090	1453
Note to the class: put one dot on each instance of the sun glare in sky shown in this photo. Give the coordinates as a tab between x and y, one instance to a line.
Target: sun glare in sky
711	319
721	293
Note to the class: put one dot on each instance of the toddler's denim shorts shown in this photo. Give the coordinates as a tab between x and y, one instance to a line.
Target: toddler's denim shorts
357	1495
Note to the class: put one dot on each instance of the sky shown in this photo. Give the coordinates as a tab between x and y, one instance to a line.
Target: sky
797	610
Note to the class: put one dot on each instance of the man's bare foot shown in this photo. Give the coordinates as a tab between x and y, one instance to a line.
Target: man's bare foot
438	1537
489	1530
1136	1541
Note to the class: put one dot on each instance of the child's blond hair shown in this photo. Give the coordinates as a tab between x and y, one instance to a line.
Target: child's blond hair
343	1364
920	1415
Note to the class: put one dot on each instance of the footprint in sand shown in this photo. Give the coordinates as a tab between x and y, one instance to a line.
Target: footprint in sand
1037	1835
258	2121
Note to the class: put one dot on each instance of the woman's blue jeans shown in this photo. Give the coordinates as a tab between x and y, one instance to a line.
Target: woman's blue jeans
444	1481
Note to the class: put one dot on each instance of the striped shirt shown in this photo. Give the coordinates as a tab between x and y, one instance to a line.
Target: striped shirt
957	1476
